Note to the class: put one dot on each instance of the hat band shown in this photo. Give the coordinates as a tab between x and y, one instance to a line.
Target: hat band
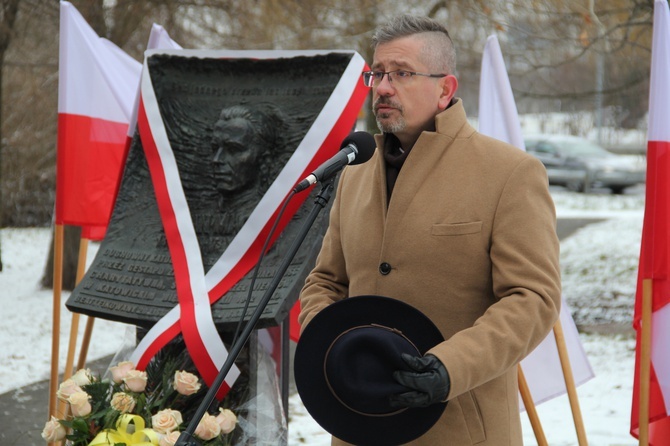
332	390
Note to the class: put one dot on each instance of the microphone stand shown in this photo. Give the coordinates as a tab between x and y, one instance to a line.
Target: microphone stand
186	438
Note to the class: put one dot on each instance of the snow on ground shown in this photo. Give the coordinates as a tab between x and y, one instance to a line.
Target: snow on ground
599	264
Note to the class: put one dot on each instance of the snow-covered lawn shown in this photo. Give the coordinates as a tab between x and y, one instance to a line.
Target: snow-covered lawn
599	266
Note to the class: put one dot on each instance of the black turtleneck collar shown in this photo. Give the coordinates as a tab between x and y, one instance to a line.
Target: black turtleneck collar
395	157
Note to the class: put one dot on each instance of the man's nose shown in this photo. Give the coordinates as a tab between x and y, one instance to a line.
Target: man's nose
385	87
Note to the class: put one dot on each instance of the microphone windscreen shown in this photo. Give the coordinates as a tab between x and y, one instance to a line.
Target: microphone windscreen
365	144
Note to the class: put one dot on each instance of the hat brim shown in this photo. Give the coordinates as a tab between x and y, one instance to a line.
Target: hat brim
314	391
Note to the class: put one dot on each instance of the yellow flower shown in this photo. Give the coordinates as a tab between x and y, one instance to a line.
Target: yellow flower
129	431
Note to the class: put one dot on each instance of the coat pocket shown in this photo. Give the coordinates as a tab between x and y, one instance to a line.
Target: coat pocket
473	227
472	416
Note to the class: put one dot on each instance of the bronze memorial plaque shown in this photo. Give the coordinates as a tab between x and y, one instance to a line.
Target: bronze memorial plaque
232	125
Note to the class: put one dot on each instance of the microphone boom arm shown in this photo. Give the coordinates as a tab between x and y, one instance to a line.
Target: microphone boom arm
186	438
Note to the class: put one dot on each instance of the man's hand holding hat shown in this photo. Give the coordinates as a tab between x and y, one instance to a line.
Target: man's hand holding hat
429	379
344	370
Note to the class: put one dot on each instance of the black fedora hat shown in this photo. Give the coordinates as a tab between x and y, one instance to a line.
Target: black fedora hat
344	363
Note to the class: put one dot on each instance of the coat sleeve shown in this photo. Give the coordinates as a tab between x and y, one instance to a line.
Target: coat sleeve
524	254
328	281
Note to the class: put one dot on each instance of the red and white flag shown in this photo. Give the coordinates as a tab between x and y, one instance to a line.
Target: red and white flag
655	247
96	88
158	39
197	289
499	119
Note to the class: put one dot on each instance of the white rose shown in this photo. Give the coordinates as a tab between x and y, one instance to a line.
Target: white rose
185	383
122	402
82	377
120	370
166	421
67	388
227	420
53	431
79	403
208	428
136	380
169	439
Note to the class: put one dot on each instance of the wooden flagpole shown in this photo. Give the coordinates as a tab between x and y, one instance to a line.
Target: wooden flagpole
85	342
645	362
530	409
74	327
570	383
55	331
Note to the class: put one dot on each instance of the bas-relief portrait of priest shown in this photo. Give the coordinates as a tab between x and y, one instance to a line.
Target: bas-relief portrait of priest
225	171
232	128
224	178
248	148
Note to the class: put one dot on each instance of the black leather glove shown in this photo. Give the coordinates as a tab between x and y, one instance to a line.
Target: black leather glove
429	379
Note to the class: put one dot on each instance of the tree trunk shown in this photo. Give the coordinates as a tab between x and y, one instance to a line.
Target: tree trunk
70	259
9	9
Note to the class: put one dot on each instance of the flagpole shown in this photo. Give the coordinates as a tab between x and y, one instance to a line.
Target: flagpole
81	268
531	410
85	342
55	322
74	326
645	361
570	383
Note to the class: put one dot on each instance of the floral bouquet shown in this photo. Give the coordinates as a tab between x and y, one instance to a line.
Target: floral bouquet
136	407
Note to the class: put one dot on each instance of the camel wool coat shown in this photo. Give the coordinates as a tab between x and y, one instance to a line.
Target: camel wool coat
469	238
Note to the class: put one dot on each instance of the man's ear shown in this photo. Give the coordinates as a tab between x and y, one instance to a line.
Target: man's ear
449	87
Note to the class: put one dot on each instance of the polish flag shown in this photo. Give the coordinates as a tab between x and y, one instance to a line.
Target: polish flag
158	39
97	85
499	119
654	268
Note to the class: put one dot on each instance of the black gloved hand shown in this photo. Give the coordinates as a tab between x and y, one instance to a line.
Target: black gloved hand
429	379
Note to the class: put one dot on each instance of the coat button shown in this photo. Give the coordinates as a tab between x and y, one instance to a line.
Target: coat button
384	268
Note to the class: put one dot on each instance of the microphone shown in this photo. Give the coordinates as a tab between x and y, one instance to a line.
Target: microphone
356	148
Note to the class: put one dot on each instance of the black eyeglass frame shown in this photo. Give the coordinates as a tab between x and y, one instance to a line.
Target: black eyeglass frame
369	77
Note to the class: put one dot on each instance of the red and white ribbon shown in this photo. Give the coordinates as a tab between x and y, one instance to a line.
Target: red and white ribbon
197	290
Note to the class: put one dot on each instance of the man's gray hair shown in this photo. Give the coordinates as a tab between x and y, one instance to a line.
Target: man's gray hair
438	51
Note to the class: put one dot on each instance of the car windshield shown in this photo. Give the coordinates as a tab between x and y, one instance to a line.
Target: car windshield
581	147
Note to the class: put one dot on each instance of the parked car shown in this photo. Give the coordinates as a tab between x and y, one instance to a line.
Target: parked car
579	164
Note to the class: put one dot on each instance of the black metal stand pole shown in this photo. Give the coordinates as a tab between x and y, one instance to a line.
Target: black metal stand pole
186	438
285	361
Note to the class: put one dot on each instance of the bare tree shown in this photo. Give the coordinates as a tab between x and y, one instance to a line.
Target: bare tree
569	54
561	55
8	11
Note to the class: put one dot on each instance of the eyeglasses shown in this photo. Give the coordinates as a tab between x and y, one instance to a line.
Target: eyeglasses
397	77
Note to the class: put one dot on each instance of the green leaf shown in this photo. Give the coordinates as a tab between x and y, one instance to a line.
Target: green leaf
80	425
